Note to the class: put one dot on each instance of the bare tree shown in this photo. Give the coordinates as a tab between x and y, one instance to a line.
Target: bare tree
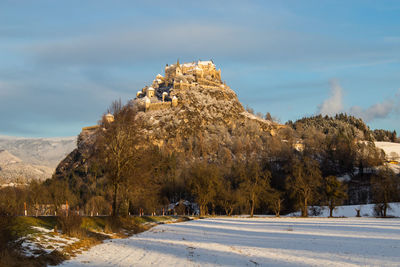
254	184
116	148
334	192
275	201
385	188
303	182
203	179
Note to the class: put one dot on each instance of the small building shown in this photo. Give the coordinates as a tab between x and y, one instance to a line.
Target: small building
109	118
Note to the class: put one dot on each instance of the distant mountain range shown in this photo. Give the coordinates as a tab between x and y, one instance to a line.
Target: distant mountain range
24	159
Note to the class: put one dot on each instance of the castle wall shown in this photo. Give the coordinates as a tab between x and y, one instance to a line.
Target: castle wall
208	82
181	85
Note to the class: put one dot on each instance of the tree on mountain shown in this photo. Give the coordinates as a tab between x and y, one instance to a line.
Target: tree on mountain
268	116
385	188
334	192
368	156
303	182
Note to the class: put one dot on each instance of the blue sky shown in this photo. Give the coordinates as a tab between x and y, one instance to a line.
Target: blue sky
63	62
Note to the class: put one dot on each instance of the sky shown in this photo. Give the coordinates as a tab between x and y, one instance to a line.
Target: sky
62	63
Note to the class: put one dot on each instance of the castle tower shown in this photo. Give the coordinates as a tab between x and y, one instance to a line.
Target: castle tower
178	70
163	96
150	92
174	101
147	102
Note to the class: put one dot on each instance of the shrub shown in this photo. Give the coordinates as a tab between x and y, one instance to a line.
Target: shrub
113	225
71	225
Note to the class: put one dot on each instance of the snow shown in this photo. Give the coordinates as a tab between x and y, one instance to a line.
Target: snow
191	64
389	148
44	241
266	241
205	62
41	229
350	211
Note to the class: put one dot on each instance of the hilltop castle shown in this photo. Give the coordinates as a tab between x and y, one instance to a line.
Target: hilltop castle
162	93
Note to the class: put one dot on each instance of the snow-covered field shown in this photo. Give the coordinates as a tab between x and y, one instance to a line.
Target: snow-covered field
392	150
366	210
265	241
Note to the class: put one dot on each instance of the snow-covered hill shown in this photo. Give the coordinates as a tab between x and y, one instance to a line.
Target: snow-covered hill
24	159
41	151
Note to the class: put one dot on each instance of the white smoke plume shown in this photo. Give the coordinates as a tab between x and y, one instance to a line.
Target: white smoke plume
334	104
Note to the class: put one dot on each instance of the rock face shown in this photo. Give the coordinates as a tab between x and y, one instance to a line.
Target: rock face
26	159
190	100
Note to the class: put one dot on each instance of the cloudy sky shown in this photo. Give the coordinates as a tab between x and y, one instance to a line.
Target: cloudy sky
63	62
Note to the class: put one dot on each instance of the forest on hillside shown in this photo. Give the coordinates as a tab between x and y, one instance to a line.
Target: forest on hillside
315	161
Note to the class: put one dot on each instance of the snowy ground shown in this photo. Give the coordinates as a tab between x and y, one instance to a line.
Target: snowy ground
44	241
263	241
366	210
392	150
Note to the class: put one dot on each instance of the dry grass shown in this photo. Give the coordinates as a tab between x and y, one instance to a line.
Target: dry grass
89	230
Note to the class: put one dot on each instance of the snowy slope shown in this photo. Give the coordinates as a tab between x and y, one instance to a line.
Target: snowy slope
14	170
255	242
26	159
392	150
39	151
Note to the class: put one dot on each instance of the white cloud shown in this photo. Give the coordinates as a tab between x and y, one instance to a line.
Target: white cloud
334	104
376	111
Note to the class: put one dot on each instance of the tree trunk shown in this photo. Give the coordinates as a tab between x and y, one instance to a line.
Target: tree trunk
252	209
114	204
330	209
227	211
384	209
278	208
304	212
202	210
230	211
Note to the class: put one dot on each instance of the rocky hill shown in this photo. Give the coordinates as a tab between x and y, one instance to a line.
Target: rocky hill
189	101
24	159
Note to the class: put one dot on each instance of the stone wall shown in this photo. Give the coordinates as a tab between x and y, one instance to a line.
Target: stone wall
181	85
159	106
208	82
